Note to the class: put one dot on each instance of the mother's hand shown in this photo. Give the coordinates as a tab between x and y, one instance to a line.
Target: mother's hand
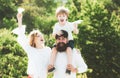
19	18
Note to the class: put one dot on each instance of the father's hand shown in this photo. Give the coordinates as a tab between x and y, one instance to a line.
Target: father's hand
50	66
70	67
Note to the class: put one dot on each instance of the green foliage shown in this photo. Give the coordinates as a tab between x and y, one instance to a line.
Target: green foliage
45	4
38	19
49	40
99	39
7	9
9	23
13	60
7	14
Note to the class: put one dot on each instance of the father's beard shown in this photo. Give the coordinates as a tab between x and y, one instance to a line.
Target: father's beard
61	47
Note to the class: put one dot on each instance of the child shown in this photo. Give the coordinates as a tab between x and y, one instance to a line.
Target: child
63	24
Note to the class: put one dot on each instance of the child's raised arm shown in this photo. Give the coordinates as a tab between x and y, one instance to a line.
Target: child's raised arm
76	31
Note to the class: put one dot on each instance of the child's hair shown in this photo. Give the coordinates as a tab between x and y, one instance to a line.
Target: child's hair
32	36
61	10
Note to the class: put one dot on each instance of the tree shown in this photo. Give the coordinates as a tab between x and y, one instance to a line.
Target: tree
99	39
13	60
7	11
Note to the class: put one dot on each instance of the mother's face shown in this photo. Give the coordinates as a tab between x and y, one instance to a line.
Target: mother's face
36	38
39	39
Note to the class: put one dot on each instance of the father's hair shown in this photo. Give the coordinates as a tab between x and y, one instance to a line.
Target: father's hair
61	33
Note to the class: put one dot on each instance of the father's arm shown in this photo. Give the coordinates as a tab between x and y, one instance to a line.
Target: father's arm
80	63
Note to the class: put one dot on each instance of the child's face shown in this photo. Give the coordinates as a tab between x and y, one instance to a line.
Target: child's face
62	18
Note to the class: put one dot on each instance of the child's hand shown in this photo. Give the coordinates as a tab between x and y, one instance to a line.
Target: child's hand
78	21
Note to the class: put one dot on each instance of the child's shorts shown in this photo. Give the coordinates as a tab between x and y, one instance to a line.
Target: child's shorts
71	44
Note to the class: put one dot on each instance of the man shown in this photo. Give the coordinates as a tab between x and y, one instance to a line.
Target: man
78	64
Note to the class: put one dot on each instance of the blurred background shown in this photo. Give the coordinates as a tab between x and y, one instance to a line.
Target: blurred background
98	38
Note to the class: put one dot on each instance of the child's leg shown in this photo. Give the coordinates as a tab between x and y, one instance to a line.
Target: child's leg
52	60
69	58
69	55
69	51
53	56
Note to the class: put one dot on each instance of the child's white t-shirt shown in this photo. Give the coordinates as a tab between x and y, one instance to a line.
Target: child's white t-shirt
69	27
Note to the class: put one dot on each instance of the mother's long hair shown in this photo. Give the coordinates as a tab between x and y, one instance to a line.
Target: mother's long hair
32	36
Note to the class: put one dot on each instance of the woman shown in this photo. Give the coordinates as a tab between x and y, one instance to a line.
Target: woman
38	54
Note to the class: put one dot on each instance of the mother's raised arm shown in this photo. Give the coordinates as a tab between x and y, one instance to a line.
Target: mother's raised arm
20	32
19	18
